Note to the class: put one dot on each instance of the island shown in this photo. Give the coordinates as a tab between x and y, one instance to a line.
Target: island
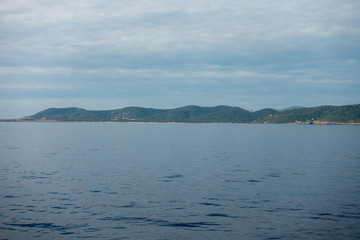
347	114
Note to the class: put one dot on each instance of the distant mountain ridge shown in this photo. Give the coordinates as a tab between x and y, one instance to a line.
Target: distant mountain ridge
196	114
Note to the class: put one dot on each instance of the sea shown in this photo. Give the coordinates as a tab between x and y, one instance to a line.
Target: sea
179	181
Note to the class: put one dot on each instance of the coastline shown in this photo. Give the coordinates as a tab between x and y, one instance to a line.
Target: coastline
289	123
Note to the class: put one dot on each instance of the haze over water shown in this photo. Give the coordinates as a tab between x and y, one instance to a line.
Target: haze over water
179	181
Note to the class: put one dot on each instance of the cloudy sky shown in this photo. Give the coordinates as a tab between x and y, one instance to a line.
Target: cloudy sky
107	54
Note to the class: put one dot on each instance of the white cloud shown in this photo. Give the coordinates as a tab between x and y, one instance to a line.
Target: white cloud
172	26
200	50
25	70
37	86
328	82
62	78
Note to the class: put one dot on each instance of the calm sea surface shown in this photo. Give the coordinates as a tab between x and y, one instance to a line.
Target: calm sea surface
179	181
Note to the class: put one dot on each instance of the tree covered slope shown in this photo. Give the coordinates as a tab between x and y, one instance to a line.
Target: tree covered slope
223	114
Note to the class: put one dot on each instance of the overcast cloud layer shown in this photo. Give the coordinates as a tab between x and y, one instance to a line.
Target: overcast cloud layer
110	54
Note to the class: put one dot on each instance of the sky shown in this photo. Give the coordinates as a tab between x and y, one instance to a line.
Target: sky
109	54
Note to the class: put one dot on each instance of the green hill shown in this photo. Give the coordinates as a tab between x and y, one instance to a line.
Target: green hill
342	114
196	114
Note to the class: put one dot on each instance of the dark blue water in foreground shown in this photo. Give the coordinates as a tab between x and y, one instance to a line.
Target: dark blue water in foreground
179	181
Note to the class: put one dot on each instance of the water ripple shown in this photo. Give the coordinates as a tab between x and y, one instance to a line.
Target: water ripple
159	222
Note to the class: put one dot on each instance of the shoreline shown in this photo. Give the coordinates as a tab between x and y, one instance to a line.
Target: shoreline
290	123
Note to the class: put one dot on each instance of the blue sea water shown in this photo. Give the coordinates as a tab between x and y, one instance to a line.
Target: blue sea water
179	181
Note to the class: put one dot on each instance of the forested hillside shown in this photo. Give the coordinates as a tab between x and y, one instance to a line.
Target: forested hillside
196	114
